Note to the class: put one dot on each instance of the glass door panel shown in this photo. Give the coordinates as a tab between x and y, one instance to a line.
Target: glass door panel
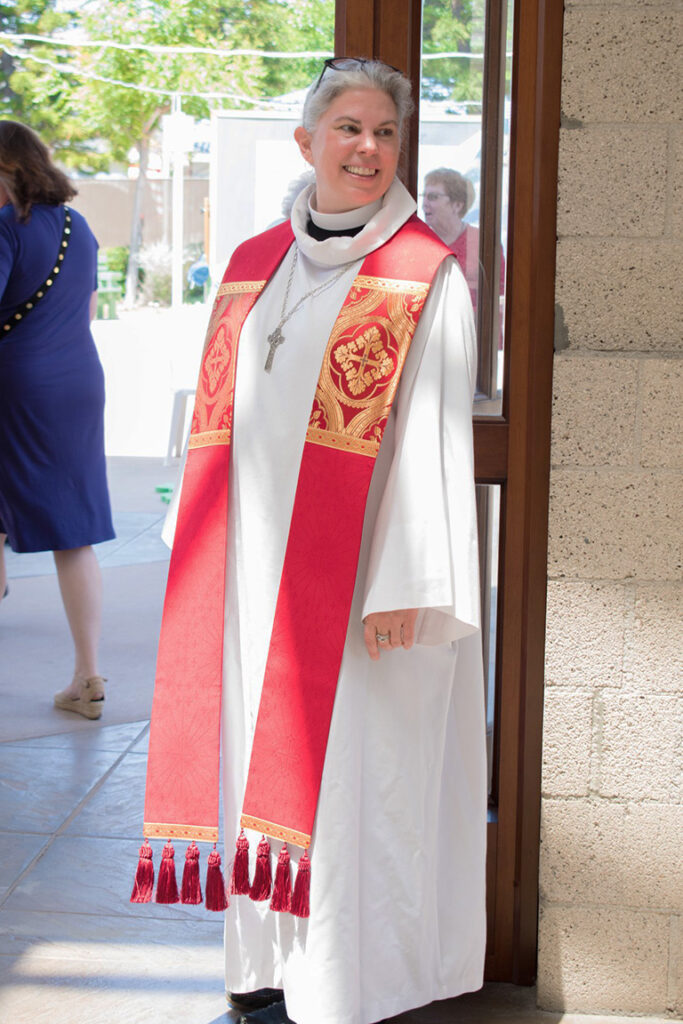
488	522
463	158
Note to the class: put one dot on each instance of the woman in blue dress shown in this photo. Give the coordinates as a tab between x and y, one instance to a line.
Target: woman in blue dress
53	485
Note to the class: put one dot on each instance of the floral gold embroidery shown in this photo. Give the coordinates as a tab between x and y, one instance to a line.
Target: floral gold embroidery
363	362
217	360
212	417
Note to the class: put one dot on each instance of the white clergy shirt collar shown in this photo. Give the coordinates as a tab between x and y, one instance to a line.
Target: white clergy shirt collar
349	219
396	206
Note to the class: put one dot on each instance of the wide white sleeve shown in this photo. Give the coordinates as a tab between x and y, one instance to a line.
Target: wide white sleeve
424	546
171	520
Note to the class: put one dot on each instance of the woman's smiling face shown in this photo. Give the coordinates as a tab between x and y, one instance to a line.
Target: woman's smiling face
354	149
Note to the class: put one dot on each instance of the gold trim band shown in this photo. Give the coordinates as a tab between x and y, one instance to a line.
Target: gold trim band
387	284
159	830
342	442
269	828
240	287
209	437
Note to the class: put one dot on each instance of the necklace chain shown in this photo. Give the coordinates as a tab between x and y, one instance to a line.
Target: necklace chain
276	337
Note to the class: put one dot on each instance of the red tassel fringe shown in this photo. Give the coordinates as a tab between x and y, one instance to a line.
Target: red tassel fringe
191	890
167	886
301	903
282	890
216	898
239	882
283	899
144	876
263	879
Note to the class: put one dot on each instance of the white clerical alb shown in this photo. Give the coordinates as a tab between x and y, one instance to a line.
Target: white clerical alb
397	884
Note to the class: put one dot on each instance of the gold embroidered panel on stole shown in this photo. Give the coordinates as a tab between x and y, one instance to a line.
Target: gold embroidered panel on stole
363	363
164	830
269	828
211	422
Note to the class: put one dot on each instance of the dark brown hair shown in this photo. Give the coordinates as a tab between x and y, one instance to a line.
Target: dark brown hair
27	171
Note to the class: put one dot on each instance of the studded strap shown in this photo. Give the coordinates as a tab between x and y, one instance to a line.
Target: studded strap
40	292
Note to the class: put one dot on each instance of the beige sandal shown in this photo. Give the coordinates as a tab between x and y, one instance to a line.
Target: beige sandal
89	701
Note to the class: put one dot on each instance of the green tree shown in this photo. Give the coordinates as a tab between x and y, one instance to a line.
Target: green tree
34	17
102	101
296	25
124	116
454	26
119	117
38	86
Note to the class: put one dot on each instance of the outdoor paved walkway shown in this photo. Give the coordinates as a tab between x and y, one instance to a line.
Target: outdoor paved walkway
73	950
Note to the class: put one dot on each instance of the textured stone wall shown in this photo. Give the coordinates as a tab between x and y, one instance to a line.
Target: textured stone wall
611	928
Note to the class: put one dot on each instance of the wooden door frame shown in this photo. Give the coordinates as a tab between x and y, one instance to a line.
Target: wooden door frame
512	450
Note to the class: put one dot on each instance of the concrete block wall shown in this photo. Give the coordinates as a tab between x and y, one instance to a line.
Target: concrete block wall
611	878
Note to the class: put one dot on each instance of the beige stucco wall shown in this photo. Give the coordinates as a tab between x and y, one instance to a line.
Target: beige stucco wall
107	205
611	927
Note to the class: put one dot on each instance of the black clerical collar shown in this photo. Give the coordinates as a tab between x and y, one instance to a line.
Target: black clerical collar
320	234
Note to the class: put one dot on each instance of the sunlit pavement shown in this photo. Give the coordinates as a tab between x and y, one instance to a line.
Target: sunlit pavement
73	949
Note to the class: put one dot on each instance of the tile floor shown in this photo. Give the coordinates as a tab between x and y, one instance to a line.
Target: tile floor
73	950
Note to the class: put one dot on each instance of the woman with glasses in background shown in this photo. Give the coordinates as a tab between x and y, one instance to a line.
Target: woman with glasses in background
447	197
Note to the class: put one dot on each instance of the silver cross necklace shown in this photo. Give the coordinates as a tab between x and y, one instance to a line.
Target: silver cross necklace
276	337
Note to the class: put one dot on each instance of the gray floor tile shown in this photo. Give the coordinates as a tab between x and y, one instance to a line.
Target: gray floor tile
95	876
16	853
37	654
117	808
139	990
138	540
142	745
81	935
502	1004
145	547
104	737
31	563
38	795
132	483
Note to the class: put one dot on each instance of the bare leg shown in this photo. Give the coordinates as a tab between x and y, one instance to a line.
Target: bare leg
3	570
80	582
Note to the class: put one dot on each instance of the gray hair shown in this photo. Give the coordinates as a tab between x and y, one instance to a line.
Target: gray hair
357	74
458	188
296	186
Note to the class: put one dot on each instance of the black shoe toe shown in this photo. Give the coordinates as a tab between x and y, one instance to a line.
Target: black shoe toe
273	1014
249	1001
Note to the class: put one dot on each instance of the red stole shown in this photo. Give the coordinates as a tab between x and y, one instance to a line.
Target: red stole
358	380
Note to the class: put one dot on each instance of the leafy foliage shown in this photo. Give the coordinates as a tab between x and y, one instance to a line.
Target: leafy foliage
453	26
92	122
26	94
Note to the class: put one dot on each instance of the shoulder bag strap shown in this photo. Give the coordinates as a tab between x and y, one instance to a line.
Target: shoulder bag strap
26	307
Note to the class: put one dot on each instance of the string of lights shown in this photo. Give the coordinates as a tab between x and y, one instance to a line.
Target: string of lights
8	44
107	44
67	69
104	44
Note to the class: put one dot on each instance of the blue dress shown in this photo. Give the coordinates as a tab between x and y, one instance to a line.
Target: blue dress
53	483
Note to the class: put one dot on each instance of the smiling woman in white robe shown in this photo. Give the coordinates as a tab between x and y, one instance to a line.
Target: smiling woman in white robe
397	915
397	886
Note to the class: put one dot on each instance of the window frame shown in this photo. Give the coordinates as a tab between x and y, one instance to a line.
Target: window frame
512	449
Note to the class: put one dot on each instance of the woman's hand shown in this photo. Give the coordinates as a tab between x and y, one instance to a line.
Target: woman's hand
386	630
